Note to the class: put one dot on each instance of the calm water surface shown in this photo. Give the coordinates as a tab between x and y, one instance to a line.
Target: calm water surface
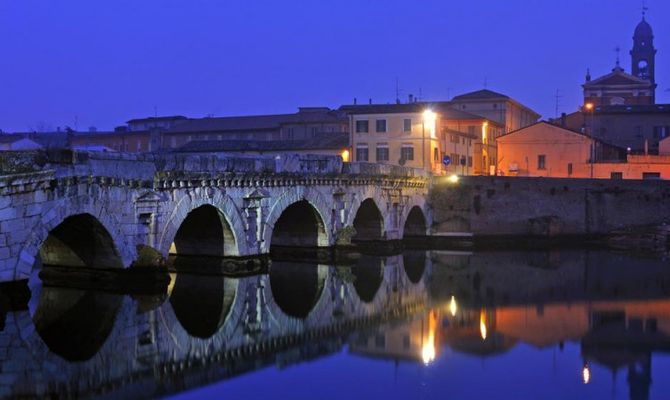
439	324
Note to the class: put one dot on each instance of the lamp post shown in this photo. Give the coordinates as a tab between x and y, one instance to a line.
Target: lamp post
590	109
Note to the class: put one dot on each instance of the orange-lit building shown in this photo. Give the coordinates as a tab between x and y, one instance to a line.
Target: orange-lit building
547	150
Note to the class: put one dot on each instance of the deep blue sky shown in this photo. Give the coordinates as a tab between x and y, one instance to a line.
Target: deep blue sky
105	61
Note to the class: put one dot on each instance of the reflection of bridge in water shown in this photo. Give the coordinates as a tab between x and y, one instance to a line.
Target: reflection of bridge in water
75	342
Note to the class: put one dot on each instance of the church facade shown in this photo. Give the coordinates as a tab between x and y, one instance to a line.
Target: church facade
620	107
620	88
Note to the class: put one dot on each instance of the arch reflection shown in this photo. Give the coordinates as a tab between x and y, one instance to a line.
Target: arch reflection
297	287
201	303
369	274
415	264
73	323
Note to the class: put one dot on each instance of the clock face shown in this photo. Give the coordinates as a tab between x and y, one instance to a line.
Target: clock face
642	65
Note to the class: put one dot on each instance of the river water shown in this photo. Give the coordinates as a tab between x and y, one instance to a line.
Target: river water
426	325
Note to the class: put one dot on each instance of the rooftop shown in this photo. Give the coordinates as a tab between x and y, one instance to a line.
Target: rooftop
334	141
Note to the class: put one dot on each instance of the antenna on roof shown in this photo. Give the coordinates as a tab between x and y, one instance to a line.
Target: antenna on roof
155	111
486	83
617	50
558	99
397	91
449	93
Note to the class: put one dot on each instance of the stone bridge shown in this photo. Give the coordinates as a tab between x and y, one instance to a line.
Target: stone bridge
71	342
106	210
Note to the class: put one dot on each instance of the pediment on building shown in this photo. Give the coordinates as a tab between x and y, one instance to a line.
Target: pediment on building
257	194
148	197
617	78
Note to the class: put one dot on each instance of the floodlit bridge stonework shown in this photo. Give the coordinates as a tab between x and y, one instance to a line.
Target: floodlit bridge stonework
104	210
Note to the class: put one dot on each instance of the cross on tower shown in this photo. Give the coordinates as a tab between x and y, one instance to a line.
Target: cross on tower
644	8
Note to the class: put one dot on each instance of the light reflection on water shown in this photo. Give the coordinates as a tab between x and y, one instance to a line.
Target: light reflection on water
568	324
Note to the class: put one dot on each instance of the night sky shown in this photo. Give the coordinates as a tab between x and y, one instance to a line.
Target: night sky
99	63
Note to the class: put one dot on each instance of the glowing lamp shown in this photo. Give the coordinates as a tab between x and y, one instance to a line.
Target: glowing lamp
345	155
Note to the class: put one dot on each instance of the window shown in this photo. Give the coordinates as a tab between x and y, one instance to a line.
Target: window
314	131
290	133
407	125
455	159
616	175
362	126
407	152
472	129
362	152
436	155
382	152
454	138
651	175
542	161
569	168
469	161
380	125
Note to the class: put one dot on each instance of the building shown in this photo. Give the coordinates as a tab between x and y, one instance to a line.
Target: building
173	132
420	135
547	150
17	142
334	145
496	107
620	88
620	107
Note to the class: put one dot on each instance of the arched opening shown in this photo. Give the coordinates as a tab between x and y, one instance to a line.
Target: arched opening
299	225
80	241
205	232
368	223
201	303
415	264
73	323
369	274
415	225
296	288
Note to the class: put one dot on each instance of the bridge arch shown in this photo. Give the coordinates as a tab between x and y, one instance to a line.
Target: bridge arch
415	223
301	202
218	207
299	225
93	225
368	221
205	231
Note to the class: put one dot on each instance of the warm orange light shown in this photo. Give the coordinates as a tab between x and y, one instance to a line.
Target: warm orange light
345	155
453	307
482	325
429	350
485	133
589	106
429	119
586	374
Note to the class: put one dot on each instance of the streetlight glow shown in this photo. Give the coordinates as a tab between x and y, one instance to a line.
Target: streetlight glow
586	374
345	155
452	306
588	106
453	178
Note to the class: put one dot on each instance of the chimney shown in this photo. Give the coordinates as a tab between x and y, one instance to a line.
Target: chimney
370	101
646	147
354	101
411	98
564	118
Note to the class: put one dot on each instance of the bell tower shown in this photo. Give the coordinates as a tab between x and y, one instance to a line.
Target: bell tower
643	54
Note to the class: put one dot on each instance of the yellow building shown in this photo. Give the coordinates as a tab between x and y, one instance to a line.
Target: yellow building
420	135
